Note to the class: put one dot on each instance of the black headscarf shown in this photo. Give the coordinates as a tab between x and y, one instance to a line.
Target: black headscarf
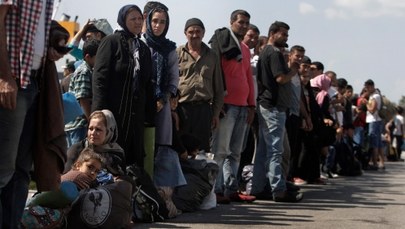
122	14
159	43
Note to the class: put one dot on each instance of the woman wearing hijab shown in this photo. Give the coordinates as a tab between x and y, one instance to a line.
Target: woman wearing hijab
102	135
167	170
121	77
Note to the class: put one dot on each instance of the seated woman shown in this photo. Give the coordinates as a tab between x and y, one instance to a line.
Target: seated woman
102	135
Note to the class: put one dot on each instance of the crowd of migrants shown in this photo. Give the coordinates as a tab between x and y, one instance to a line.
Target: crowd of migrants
145	129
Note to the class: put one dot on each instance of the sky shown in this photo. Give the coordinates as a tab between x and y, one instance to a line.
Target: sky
358	39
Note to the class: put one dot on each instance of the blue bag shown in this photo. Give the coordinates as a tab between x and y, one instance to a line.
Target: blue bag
71	107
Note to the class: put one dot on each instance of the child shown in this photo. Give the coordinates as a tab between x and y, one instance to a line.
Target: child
84	171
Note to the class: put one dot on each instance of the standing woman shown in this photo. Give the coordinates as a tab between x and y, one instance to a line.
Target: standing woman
167	171
121	76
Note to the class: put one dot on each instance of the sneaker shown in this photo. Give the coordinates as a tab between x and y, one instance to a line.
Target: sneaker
298	181
221	199
290	197
238	197
291	186
332	175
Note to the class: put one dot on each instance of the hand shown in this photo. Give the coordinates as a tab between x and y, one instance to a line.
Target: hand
215	122
159	105
8	93
251	115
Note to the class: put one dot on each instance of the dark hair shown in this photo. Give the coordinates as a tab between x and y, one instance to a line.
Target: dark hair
150	5
234	14
399	109
341	83
369	82
276	26
90	47
318	65
306	60
254	28
298	48
349	87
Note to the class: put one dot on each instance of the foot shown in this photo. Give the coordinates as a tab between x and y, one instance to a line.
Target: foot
298	181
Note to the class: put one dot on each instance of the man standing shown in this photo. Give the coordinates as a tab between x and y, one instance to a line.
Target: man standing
201	85
274	85
375	124
24	32
239	104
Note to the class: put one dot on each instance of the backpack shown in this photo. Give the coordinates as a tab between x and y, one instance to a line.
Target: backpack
43	217
386	110
107	206
148	205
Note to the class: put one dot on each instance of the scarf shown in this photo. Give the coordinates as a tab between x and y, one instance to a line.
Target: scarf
322	82
131	41
161	48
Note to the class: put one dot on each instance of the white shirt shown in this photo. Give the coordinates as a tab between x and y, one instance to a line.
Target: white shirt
374	117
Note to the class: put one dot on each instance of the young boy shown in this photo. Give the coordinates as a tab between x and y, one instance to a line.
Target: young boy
80	85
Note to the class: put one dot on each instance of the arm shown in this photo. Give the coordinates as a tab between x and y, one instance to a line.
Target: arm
372	105
8	85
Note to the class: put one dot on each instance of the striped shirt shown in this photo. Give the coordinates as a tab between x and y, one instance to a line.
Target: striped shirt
21	23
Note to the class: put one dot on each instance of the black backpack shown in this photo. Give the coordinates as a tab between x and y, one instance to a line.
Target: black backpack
148	205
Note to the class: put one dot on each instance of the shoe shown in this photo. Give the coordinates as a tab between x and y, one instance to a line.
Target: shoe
291	186
238	197
332	175
381	167
290	197
221	199
318	181
323	176
298	181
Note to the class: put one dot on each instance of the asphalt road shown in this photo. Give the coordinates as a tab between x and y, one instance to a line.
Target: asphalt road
374	200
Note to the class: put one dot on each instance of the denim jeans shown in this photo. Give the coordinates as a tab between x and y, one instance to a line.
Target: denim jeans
227	146
269	155
16	138
374	133
358	136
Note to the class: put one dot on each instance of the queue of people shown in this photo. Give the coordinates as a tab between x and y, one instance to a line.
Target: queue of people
242	98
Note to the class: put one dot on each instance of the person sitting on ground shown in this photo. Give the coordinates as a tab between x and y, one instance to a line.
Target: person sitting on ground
85	169
102	135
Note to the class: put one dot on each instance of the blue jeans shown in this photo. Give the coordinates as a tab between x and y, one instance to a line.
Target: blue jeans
358	136
269	155
374	133
16	138
227	146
